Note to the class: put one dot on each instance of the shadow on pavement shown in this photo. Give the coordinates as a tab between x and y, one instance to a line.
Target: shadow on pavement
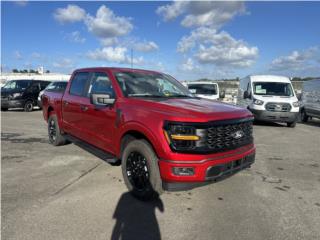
269	124
136	219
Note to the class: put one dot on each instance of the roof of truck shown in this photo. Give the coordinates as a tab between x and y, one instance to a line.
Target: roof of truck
269	78
115	69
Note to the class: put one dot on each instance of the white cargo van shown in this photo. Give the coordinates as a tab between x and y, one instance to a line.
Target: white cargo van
310	100
208	90
269	98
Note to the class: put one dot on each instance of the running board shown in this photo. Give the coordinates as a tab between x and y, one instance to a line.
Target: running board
103	155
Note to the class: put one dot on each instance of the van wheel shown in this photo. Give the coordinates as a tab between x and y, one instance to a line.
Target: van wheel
4	109
28	106
140	170
291	124
304	116
55	137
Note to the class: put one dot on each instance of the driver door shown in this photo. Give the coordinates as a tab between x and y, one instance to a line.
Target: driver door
98	123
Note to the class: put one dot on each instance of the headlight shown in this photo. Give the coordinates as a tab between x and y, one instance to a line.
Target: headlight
181	137
16	95
257	102
296	104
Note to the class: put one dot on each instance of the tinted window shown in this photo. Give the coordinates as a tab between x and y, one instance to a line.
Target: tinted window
101	84
273	88
17	85
79	83
207	89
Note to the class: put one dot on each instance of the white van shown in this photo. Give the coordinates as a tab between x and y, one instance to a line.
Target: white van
208	90
269	98
310	100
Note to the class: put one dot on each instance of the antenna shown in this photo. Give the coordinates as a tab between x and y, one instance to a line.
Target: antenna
131	58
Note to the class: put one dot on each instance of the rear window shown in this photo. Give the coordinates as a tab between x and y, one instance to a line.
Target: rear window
206	89
79	83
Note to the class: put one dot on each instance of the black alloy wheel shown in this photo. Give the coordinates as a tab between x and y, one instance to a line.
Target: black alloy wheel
52	130
137	171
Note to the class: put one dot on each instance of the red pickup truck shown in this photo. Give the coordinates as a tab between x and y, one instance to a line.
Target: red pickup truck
163	136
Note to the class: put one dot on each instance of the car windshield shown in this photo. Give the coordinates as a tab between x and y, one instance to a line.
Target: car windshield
205	89
142	84
17	85
273	88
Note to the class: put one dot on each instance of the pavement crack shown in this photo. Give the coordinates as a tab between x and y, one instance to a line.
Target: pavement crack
77	179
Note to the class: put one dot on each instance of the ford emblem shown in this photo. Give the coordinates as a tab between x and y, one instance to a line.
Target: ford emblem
237	134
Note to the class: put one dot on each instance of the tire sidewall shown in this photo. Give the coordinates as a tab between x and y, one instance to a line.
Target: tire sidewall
26	108
144	148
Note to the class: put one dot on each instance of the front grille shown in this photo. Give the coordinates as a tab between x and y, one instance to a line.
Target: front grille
278	107
229	136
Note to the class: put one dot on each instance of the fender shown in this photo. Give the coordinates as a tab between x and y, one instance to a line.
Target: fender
139	127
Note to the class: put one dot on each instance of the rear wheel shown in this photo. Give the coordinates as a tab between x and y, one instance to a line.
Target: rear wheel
28	106
55	136
304	116
140	170
4	109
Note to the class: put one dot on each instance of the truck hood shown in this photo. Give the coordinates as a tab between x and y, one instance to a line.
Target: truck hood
187	109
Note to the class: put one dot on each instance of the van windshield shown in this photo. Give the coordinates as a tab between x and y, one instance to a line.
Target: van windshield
273	88
205	89
141	84
17	85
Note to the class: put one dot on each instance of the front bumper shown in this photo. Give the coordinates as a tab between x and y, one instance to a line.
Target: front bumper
264	115
5	103
206	171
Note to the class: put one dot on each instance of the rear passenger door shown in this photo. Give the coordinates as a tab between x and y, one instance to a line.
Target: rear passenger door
98	123
72	113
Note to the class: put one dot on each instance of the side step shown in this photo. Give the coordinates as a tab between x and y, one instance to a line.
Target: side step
103	155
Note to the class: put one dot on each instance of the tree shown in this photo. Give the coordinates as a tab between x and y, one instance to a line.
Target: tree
32	71
47	71
15	70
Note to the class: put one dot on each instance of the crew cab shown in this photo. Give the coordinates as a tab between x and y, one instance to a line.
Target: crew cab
163	137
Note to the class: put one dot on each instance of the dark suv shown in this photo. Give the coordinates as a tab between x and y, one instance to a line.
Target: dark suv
21	94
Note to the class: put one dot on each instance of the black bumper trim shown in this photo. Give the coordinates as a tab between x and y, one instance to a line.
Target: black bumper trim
264	115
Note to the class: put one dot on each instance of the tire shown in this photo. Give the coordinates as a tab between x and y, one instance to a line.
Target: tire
4	109
28	106
140	170
291	124
304	116
54	134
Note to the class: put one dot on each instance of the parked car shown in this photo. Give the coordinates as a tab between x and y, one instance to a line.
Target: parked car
164	137
269	98
310	99
21	94
208	90
57	86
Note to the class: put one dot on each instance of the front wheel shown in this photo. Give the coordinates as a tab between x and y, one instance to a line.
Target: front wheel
28	106
141	171
4	109
304	116
291	124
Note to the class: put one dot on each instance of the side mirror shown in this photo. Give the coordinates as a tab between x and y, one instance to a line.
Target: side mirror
299	96
246	95
101	99
222	94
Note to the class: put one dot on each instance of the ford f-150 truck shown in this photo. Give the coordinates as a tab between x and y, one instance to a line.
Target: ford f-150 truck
164	137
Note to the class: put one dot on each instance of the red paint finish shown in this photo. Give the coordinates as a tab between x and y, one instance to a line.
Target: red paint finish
106	127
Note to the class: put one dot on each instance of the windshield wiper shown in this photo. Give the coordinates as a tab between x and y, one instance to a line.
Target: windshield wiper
145	95
180	96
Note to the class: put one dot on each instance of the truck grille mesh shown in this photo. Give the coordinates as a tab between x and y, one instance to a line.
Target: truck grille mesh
278	107
230	136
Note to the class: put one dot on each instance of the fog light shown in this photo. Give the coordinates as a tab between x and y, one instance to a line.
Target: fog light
183	171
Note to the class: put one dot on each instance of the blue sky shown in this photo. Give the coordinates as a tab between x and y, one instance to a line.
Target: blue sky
189	40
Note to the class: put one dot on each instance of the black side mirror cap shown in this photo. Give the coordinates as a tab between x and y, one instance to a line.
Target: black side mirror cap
246	95
222	94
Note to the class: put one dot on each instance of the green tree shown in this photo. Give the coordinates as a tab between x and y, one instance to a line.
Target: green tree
15	70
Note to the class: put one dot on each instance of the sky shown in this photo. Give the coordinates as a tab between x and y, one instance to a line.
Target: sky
189	40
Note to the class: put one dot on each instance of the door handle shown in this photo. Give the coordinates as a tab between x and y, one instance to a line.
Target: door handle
83	108
65	103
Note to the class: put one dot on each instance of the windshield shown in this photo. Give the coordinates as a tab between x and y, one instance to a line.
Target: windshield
273	88
17	85
205	89
141	84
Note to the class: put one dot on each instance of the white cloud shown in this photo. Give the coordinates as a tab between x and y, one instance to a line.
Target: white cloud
21	3
36	55
17	55
146	46
107	25
75	37
202	13
109	41
113	54
72	13
189	66
218	48
304	63
64	63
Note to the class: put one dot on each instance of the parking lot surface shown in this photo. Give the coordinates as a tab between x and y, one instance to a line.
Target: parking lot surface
66	193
